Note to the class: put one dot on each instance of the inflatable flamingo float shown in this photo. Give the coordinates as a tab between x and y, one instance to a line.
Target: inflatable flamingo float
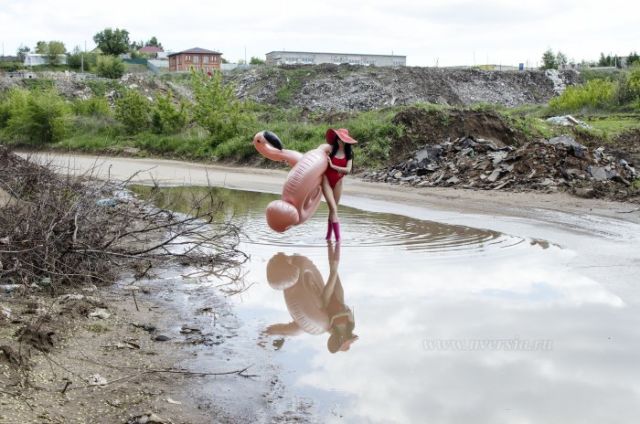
302	190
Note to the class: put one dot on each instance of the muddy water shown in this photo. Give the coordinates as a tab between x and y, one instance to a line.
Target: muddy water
410	320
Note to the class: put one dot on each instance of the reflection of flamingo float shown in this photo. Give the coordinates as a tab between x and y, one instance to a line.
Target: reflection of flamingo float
303	189
316	308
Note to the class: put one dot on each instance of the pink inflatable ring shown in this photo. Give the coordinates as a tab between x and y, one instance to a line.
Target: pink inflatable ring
302	190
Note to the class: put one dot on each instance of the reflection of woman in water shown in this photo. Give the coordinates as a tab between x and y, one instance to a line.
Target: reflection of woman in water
316	308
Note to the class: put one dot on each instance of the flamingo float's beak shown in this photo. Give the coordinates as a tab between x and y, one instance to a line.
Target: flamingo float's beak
272	139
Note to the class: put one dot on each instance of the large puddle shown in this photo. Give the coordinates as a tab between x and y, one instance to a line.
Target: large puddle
417	321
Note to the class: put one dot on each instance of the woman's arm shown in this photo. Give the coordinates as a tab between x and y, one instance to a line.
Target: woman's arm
341	169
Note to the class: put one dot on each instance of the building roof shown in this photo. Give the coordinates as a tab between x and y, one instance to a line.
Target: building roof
195	50
150	49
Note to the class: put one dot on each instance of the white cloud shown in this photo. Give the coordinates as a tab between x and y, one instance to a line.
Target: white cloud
451	32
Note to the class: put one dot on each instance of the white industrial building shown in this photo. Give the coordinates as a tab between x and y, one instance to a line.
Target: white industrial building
315	58
34	59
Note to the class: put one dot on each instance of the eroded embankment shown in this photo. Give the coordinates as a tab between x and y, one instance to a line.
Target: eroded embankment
482	150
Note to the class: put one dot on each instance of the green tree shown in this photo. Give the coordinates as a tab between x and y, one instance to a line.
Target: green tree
549	60
110	67
153	42
112	42
634	80
633	58
133	111
561	60
256	61
22	52
166	118
42	117
42	47
55	49
216	107
75	59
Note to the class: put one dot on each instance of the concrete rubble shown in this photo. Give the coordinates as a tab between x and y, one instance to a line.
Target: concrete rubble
557	164
353	88
567	121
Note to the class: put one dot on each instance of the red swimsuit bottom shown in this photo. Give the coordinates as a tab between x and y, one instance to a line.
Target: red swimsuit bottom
332	175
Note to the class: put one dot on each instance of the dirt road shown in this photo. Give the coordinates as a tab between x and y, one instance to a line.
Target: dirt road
547	207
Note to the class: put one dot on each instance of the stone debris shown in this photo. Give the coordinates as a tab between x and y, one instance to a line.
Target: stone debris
560	163
567	121
148	418
97	380
99	313
366	88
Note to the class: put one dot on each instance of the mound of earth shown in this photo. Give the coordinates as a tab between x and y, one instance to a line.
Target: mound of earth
479	150
347	87
432	126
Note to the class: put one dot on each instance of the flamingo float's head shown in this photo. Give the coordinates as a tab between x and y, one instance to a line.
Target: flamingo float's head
267	143
282	215
281	272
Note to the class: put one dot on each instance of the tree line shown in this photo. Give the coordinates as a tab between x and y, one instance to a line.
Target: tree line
553	60
110	43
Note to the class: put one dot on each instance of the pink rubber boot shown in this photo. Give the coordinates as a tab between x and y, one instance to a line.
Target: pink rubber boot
336	229
329	230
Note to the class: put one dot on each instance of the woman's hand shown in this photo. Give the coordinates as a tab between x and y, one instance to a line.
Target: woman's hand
329	162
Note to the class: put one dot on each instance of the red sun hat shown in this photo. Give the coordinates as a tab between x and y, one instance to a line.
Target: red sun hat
341	133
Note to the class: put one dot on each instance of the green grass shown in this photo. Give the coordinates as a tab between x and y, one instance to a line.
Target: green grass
135	68
595	95
613	124
38	84
294	79
101	87
374	130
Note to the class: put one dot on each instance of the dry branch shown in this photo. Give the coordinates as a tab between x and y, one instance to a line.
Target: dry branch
63	230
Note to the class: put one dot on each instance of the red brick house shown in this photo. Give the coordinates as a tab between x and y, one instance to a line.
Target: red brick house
196	58
151	51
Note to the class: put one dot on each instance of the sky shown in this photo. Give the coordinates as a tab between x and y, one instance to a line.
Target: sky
428	32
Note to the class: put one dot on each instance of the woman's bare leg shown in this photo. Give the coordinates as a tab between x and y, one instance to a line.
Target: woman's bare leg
331	201
337	193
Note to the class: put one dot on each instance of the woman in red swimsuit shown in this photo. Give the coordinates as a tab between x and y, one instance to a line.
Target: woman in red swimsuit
340	161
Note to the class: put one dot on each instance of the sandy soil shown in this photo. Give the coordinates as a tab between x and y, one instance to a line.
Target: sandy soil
512	204
172	355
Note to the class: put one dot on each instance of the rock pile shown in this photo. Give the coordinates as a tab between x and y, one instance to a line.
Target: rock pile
355	88
559	163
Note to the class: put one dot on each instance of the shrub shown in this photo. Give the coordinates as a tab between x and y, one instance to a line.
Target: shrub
79	59
166	118
133	110
38	117
101	87
110	67
634	80
12	103
595	94
11	66
39	84
216	107
93	106
376	132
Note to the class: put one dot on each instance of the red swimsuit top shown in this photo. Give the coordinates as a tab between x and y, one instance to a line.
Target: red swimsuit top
332	175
